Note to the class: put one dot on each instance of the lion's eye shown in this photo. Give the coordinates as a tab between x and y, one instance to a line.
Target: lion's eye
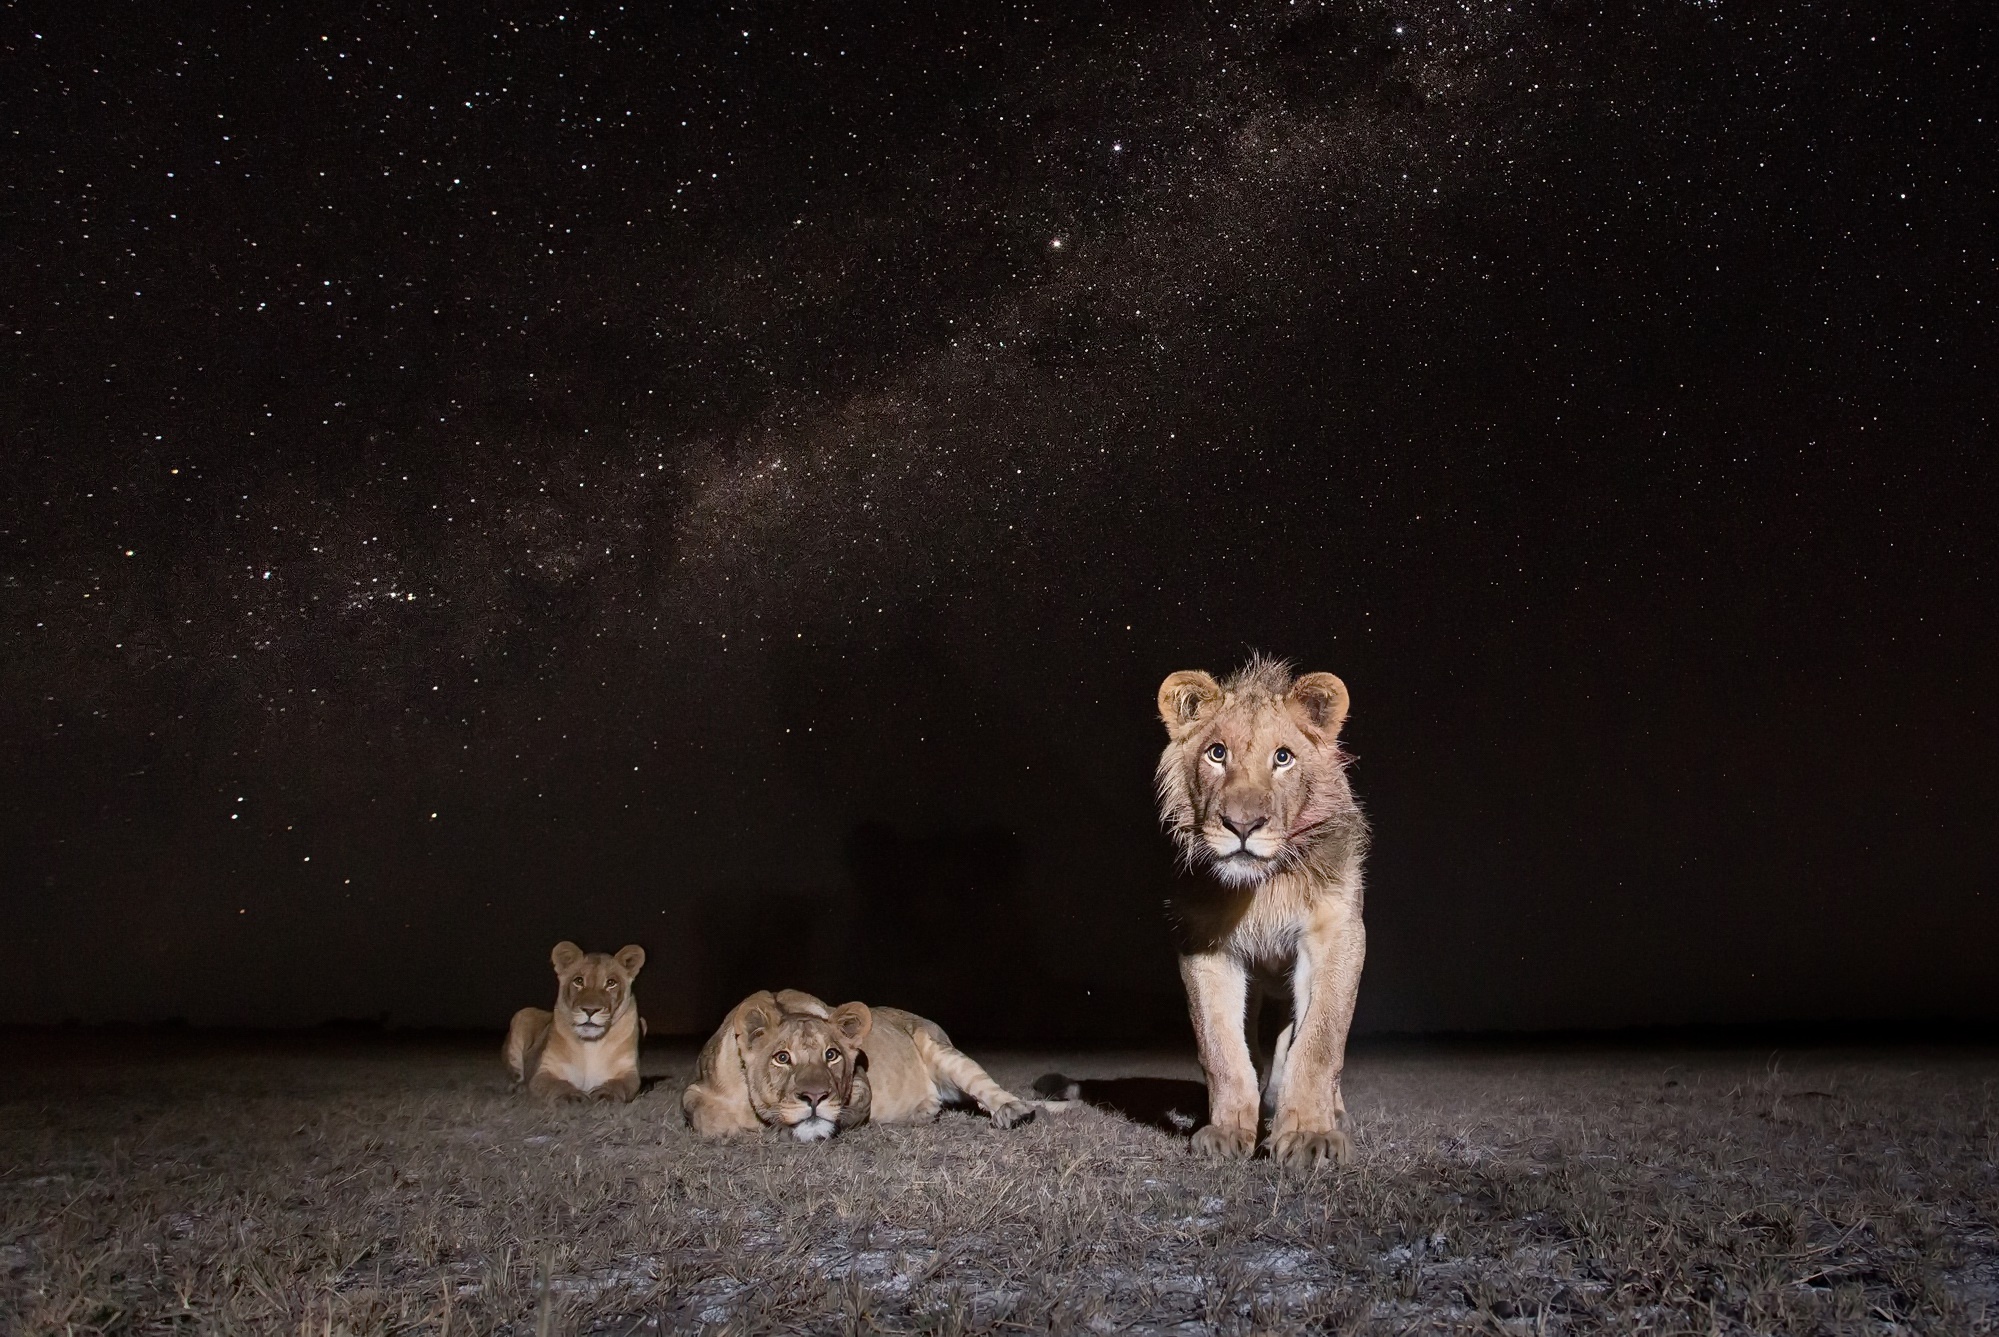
1218	752
1284	757
576	983
782	1058
610	984
832	1056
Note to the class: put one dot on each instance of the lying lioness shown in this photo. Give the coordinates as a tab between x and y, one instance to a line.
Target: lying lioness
787	1060
588	1048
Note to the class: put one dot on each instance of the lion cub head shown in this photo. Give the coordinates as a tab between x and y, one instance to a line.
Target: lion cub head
1252	775
799	1059
595	988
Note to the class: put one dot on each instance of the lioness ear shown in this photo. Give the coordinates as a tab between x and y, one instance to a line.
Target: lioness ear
1185	697
632	958
758	1016
1320	700
565	955
852	1020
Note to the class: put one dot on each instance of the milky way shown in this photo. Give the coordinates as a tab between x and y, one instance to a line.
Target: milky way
588	473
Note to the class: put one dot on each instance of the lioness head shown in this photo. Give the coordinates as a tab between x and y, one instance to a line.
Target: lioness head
800	1063
595	987
1253	773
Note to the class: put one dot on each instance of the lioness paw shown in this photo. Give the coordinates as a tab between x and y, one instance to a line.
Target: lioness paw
1222	1142
1011	1113
1300	1150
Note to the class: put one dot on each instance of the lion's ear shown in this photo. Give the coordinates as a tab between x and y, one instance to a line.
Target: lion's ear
853	1021
565	955
1320	702
632	957
1185	698
759	1015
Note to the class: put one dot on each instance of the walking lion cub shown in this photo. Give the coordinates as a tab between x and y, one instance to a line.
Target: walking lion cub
788	1060
588	1047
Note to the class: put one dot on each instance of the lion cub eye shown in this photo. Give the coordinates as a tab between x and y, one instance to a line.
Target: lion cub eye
1284	757
832	1056
1218	752
782	1058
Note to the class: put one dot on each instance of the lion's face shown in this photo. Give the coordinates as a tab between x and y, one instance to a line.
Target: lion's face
1253	769
800	1065
596	987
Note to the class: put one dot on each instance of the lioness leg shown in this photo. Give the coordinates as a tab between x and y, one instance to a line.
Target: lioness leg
1306	1129
1218	999
618	1088
525	1036
550	1087
957	1069
716	1114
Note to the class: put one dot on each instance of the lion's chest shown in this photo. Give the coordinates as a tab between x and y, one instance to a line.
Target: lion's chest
588	1065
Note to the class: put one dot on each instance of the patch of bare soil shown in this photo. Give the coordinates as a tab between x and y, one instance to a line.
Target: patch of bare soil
398	1187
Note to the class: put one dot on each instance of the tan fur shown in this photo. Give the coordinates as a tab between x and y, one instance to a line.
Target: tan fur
588	1047
788	1060
1273	850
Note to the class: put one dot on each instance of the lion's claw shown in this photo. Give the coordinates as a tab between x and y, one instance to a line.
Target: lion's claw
1302	1150
1222	1142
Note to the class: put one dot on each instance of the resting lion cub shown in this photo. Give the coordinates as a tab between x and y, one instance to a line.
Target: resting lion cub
787	1060
588	1047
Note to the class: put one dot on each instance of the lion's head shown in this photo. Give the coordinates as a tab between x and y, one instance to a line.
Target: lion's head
799	1059
595	987
1252	780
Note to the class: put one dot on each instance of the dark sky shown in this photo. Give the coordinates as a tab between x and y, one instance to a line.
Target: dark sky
732	478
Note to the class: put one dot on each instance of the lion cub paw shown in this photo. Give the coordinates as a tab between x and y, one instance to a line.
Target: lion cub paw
1012	1113
1300	1150
1222	1142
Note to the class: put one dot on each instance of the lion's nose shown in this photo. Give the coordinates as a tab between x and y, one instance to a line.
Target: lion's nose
812	1095
1244	827
592	1013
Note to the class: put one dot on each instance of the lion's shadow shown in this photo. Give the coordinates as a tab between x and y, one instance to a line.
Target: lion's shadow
1170	1104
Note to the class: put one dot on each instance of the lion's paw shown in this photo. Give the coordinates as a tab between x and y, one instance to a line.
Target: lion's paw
1302	1150
1012	1113
1222	1142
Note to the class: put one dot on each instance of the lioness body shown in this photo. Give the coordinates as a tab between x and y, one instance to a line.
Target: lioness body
1253	788
587	1047
788	1060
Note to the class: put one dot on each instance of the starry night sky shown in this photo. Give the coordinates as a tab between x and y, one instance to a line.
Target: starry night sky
732	478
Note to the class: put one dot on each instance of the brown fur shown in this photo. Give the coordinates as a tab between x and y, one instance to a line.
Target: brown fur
588	1047
788	1060
1273	850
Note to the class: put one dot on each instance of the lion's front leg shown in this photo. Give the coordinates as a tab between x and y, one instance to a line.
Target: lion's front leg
1306	1130
1217	999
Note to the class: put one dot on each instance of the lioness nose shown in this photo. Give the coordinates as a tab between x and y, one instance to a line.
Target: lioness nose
1244	827
812	1095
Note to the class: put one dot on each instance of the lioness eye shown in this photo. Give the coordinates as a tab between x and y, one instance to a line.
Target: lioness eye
1218	752
782	1058
832	1056
610	984
577	982
1283	756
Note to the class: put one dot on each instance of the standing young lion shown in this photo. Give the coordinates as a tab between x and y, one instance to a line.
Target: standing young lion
588	1047
787	1060
1253	788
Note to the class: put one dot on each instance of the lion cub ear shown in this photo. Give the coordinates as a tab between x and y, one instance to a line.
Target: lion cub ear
853	1021
565	955
1186	698
632	957
1320	702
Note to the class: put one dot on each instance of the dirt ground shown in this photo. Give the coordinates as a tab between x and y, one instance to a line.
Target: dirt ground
329	1185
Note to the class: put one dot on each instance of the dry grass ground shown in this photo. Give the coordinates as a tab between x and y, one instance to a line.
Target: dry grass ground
395	1186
